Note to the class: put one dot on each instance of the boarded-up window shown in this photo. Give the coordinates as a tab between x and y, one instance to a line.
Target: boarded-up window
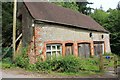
84	50
98	47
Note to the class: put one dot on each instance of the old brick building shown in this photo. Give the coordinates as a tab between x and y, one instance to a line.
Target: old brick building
50	30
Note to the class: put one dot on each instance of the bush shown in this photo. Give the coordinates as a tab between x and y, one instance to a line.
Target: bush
60	64
9	53
66	64
70	64
22	60
7	63
43	66
31	67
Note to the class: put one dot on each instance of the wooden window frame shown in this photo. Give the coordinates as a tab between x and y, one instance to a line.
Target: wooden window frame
56	50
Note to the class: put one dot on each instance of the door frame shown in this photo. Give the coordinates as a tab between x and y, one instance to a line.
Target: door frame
72	48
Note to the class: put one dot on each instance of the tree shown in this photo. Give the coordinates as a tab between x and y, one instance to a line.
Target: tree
7	15
110	20
71	5
114	27
100	16
7	23
77	6
83	7
118	6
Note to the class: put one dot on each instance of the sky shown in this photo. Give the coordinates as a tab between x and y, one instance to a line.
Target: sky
106	4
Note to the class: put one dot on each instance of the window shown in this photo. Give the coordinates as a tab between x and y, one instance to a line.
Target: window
53	50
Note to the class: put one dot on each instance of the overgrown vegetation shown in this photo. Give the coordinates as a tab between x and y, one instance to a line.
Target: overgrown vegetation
61	64
7	63
67	65
22	60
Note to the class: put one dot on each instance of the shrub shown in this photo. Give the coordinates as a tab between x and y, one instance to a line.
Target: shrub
22	60
43	66
9	52
7	60
7	63
70	64
66	64
31	67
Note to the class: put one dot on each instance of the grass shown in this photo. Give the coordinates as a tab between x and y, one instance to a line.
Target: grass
0	64
78	74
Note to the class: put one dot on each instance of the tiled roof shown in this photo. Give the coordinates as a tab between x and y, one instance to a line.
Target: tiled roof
50	12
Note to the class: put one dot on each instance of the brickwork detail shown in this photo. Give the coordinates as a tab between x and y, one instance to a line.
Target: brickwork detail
31	51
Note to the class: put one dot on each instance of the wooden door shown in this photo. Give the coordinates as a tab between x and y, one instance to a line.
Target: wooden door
69	49
98	48
84	50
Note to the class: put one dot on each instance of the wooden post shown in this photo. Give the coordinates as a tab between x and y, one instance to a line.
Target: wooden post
115	64
14	28
101	59
101	62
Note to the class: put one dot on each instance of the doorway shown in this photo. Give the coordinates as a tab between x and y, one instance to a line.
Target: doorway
98	47
84	50
69	48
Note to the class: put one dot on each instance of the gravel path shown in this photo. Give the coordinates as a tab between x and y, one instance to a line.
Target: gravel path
20	73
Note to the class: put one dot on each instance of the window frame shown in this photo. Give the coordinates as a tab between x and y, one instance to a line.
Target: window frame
56	50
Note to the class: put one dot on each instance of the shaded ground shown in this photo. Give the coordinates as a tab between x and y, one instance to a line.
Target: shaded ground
20	73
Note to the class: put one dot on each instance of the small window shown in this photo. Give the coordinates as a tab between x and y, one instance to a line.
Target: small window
102	36
53	50
90	34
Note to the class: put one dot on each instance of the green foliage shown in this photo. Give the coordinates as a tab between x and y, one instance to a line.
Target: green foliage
7	23
69	64
110	20
43	66
83	7
66	64
71	5
90	64
100	16
7	19
7	63
22	60
31	67
9	53
76	6
109	54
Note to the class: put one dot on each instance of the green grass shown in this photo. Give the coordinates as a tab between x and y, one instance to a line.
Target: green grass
0	64
7	63
78	74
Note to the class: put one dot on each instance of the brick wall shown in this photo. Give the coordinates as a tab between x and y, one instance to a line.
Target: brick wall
48	33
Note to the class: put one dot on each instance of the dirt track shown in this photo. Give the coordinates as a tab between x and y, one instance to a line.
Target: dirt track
20	73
